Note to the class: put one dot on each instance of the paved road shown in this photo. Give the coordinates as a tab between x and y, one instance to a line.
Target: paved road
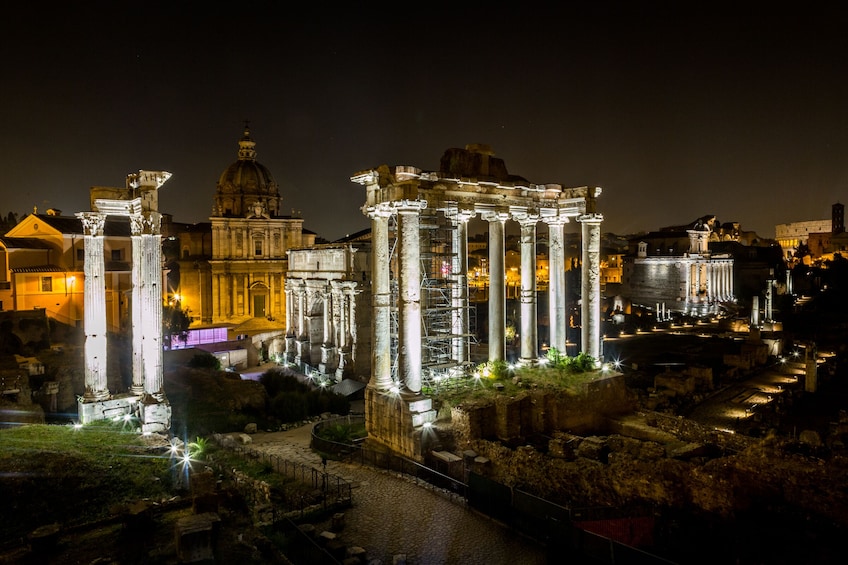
392	516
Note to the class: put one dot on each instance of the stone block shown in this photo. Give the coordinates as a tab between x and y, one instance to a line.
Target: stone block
338	521
250	428
195	537
357	554
308	530
422	405
326	536
155	417
420	418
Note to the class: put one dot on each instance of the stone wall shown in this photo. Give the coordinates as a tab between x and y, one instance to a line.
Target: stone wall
539	411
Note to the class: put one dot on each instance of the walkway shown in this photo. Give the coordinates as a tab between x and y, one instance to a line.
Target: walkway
392	516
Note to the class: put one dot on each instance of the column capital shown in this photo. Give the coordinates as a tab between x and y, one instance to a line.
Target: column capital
525	219
495	216
556	220
380	211
458	215
145	223
593	218
92	222
408	205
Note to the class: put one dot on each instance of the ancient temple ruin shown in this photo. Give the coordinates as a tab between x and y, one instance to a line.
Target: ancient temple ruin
404	204
146	398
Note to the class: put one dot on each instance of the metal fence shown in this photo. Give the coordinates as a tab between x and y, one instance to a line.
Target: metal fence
332	491
422	475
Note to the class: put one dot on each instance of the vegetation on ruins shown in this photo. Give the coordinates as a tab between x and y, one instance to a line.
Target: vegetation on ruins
498	378
81	474
293	400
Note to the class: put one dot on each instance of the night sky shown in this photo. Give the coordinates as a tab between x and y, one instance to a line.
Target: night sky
741	113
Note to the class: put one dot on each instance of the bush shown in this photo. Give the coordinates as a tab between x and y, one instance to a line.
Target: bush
205	361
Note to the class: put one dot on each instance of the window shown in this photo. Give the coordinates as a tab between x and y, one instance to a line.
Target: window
46	284
257	247
80	254
117	255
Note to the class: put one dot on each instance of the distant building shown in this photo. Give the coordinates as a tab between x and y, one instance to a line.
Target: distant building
231	270
674	269
815	234
328	321
42	260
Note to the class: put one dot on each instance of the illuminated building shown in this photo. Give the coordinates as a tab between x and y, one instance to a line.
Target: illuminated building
232	269
43	260
675	270
794	234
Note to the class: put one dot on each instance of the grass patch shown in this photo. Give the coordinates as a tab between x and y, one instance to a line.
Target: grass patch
343	433
72	476
496	379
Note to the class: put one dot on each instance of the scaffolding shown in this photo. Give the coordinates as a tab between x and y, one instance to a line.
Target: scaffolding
446	317
442	312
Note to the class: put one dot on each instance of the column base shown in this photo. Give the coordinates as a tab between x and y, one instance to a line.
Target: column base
402	422
96	410
154	415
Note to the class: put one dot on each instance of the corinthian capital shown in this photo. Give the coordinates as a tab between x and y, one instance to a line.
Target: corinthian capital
92	222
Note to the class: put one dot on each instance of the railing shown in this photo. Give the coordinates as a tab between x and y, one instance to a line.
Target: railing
335	491
422	475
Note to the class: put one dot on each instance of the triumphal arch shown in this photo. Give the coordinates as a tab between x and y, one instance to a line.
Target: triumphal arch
146	400
404	204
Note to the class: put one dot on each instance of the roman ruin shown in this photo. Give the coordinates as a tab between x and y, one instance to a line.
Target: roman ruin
409	208
146	398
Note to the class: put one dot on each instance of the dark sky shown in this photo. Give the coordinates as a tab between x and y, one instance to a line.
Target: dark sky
737	112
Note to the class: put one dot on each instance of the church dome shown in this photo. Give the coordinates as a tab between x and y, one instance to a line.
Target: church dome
246	188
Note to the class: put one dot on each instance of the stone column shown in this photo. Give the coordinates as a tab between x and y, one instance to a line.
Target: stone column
409	294
556	286
291	331
96	387
591	285
136	229
151	300
381	360
529	327
459	292
497	296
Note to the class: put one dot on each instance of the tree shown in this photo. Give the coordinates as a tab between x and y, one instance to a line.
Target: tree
175	322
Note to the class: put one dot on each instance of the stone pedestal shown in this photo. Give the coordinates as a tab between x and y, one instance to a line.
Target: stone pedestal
399	421
115	407
155	415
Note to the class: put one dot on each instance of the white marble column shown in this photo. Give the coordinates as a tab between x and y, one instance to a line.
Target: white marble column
136	229
497	296
381	361
556	286
591	285
151	300
459	292
529	326
96	387
409	294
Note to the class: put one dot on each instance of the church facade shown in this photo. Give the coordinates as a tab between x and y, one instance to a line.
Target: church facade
232	270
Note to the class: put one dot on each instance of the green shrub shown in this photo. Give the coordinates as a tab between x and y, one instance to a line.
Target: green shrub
205	361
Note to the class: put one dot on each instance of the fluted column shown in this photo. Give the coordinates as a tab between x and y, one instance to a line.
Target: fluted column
409	294
381	361
591	284
95	307
497	296
556	285
529	327
151	300
136	229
